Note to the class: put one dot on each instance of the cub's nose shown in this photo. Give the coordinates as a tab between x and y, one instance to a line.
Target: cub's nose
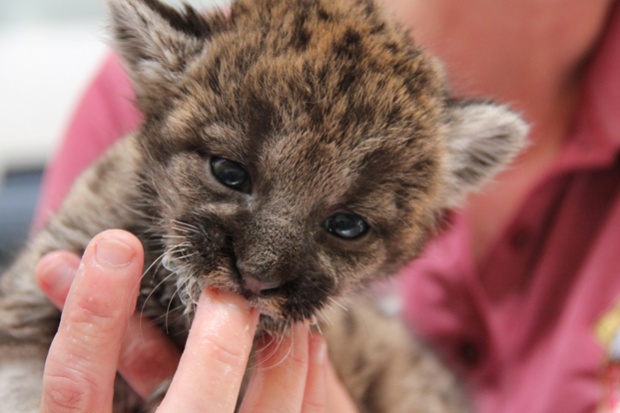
258	287
258	283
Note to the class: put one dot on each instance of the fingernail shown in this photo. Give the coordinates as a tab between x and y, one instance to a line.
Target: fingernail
112	253
318	349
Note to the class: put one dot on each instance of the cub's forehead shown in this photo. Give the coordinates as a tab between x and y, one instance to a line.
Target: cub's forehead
353	69
324	143
336	168
377	177
376	172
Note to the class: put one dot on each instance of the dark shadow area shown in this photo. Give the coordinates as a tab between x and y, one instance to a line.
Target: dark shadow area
18	197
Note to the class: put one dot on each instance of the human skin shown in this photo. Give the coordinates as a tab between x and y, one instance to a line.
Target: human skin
529	54
100	333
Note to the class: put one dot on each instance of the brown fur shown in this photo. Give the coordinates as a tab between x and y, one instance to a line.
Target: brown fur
329	107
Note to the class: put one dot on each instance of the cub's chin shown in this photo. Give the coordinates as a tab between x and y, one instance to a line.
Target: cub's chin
273	327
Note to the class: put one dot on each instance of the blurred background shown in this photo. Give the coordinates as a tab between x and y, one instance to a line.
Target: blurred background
49	51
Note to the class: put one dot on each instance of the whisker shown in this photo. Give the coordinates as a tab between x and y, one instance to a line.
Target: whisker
339	304
317	324
155	262
169	236
167	314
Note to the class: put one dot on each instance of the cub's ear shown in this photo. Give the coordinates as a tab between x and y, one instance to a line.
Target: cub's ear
482	138
157	42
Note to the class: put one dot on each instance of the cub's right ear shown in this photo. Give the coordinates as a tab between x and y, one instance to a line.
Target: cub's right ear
157	42
482	138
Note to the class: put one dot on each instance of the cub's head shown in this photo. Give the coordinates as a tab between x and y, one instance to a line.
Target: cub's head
296	150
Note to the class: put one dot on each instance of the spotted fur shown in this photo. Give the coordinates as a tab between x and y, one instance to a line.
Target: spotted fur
330	107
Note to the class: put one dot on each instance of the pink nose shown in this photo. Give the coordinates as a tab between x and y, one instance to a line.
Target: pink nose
256	286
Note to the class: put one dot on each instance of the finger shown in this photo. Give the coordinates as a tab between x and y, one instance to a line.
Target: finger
55	273
215	357
82	361
148	357
315	394
279	380
338	399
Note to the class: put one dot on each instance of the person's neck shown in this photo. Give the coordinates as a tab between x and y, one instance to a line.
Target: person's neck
525	53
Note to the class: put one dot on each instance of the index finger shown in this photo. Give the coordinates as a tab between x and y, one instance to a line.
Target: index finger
81	364
147	358
215	357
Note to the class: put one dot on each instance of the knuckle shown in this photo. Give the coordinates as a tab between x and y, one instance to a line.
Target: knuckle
228	354
268	407
299	360
87	315
66	393
313	406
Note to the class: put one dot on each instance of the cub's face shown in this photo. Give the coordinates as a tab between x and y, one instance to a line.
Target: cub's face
296	151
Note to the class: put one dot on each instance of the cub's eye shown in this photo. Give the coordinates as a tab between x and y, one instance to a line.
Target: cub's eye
230	174
346	225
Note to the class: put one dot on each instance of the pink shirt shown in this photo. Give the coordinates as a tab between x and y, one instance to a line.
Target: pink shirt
105	114
520	327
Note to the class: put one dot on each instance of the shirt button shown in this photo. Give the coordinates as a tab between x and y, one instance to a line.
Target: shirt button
469	354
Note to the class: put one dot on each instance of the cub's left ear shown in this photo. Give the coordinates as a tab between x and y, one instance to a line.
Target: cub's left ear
157	42
482	138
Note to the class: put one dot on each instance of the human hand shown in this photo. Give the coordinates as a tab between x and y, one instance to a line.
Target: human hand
99	334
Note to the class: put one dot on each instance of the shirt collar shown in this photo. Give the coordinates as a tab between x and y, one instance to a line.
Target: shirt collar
601	95
594	141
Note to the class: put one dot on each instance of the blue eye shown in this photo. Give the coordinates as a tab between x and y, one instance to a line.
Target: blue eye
230	174
346	225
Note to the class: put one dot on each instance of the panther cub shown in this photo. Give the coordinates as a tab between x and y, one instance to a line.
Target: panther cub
292	152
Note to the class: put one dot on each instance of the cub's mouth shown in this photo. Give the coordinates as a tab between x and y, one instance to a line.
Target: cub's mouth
278	306
201	255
